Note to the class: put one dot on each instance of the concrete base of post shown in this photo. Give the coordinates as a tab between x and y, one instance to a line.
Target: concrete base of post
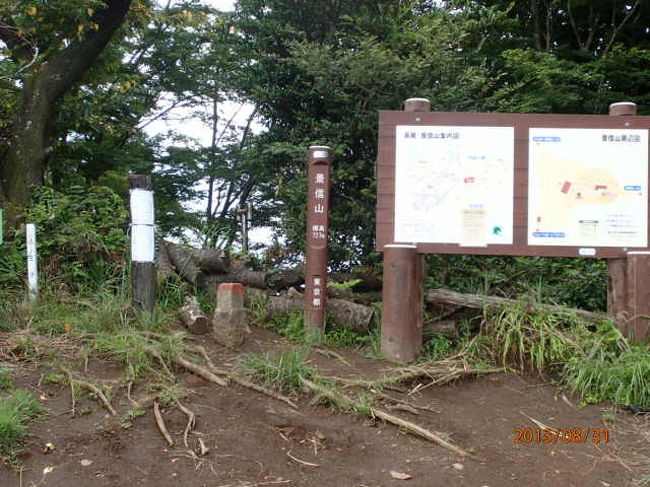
230	321
401	322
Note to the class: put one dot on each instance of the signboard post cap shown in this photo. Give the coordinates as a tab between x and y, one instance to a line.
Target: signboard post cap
417	105
623	108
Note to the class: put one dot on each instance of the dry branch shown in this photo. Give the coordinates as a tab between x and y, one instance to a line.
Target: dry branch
347	403
97	391
418	431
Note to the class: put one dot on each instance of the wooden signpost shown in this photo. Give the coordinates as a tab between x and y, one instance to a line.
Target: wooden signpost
511	184
318	204
143	272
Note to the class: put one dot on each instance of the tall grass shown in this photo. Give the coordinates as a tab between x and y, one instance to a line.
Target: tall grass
594	361
16	409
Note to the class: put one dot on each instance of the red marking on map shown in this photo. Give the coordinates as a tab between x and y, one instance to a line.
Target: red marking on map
600	186
566	187
469	180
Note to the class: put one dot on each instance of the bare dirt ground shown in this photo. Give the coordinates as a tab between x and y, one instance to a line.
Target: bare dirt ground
255	440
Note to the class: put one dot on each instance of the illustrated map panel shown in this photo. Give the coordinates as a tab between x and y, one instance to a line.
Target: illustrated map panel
454	184
588	187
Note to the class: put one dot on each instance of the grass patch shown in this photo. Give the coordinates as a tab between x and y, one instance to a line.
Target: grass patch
592	360
5	379
279	371
16	409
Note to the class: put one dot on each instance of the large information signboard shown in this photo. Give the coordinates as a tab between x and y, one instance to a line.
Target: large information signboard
513	184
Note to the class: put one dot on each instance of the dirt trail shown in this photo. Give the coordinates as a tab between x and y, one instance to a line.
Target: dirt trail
255	440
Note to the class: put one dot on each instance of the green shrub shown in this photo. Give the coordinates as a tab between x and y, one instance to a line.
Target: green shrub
81	238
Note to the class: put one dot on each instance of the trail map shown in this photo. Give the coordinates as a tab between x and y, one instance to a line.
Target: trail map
454	184
588	187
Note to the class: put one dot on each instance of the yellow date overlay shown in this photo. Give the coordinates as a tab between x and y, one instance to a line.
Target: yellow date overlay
562	435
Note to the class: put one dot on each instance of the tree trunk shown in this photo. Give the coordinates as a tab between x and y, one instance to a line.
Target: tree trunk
25	158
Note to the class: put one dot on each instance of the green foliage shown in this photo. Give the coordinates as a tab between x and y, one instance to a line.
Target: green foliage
580	283
5	378
437	348
16	409
594	361
340	336
280	371
81	238
290	326
344	286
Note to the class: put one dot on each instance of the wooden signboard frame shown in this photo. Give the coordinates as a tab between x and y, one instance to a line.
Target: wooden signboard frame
389	120
628	292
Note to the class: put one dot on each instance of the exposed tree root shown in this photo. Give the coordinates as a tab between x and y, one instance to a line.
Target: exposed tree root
161	423
191	421
243	382
346	403
199	370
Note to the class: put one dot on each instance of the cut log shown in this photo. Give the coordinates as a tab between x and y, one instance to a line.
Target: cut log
164	266
192	264
447	327
183	260
343	312
351	315
480	302
285	304
193	318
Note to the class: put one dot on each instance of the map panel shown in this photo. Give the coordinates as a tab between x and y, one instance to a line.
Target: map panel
454	184
588	187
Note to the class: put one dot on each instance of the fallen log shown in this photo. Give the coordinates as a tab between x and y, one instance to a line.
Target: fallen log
343	312
447	327
164	266
480	302
192	264
193	318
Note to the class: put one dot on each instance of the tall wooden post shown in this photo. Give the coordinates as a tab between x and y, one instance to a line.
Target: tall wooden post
628	285
403	290
318	205
143	272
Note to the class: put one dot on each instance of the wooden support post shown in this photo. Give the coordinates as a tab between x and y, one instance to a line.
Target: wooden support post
402	296
637	325
143	272
318	204
403	290
628	284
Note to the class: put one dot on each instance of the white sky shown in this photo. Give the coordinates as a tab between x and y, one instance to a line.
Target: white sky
182	122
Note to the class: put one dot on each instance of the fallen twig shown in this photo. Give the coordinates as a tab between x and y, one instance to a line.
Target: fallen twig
331	353
99	394
295	459
161	424
418	431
